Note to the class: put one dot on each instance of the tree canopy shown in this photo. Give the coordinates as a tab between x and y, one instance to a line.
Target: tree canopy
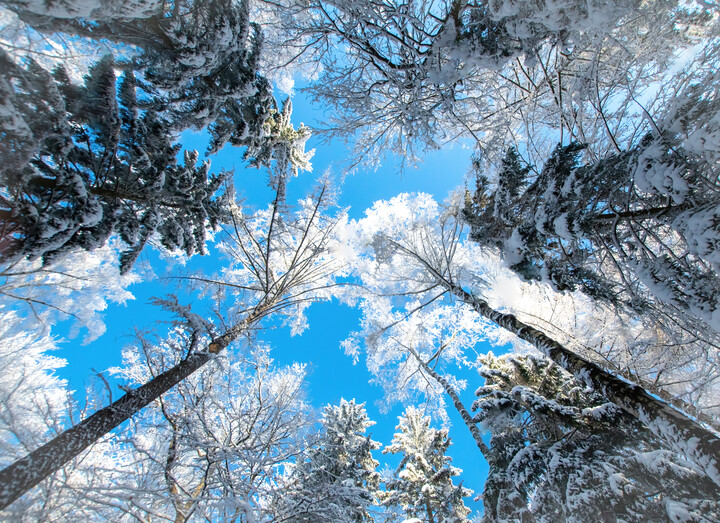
581	246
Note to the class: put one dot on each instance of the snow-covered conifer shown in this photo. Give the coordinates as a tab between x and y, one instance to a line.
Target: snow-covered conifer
422	486
90	9
561	451
201	59
415	253
632	229
104	165
336	479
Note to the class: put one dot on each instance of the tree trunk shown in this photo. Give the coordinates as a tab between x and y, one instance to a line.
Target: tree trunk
466	417
642	214
684	435
136	32
428	511
27	472
52	183
676	402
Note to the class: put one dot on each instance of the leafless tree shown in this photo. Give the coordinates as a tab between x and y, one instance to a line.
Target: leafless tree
282	263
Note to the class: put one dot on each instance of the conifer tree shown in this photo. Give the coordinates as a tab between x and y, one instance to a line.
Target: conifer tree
336	479
200	58
423	484
102	164
562	452
189	65
88	9
634	229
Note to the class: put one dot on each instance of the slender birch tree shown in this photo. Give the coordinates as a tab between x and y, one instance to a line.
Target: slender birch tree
281	261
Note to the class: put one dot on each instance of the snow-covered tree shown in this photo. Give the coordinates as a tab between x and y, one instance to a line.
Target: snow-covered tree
422	485
212	447
560	452
90	9
281	260
415	74
32	396
36	405
201	59
78	288
635	228
335	480
414	255
102	165
195	66
680	369
22	42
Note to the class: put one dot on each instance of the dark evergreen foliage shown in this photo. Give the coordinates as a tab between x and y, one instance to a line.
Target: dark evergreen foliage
561	452
616	229
484	35
199	59
104	163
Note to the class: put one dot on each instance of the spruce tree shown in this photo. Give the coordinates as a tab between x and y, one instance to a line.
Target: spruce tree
423	483
636	229
199	58
102	164
562	452
187	64
336	478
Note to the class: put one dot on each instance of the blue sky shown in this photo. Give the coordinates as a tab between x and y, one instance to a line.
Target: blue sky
332	375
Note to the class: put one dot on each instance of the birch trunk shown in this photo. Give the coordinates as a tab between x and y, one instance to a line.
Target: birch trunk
459	406
25	473
683	434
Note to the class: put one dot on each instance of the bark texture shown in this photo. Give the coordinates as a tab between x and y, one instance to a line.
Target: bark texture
458	404
27	472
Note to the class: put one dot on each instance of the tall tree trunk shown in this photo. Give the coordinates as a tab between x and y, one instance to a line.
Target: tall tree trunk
683	434
429	511
459	406
27	472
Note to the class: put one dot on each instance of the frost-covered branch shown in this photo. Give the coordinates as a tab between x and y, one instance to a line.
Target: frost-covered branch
298	244
403	242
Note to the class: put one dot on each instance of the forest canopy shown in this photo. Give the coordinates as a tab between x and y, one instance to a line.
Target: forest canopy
507	270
